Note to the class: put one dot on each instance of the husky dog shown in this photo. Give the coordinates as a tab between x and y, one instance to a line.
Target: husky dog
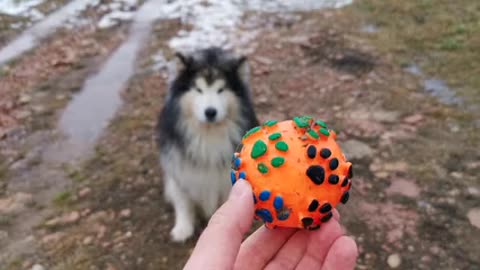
206	112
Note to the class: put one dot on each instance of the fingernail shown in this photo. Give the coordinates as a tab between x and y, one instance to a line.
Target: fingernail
240	189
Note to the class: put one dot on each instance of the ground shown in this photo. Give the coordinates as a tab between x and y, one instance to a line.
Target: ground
362	68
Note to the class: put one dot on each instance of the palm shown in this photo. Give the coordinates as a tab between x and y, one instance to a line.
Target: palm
326	248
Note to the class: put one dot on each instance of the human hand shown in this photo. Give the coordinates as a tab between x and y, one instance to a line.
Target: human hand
220	245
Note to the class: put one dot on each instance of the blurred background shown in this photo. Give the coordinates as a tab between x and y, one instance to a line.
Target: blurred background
82	81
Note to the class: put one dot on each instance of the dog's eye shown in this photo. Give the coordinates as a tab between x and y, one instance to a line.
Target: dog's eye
221	90
198	90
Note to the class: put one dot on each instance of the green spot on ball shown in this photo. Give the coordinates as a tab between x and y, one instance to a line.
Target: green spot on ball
324	131
251	131
259	148
270	123
281	146
262	168
275	136
277	161
302	121
321	123
313	134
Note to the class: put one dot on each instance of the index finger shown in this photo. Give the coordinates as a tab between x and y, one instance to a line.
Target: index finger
219	243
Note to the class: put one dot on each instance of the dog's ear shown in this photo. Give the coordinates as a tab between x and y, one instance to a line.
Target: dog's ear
185	60
242	68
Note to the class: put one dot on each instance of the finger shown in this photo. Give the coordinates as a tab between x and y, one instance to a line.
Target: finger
258	249
342	255
319	243
336	215
219	243
291	253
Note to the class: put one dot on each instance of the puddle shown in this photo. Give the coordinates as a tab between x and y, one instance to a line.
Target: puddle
30	38
414	69
93	107
440	90
436	87
369	28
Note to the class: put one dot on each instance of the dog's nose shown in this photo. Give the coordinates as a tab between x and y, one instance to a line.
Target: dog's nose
210	113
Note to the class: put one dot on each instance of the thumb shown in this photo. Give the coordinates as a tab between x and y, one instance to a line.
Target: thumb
218	246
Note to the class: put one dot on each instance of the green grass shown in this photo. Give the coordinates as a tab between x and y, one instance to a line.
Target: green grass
442	35
62	198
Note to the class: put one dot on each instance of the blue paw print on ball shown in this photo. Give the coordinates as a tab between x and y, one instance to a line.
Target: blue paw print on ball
264	214
233	177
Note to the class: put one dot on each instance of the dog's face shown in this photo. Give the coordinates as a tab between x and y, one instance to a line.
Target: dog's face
210	98
211	93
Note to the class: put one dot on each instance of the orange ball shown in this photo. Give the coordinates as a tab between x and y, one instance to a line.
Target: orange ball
297	171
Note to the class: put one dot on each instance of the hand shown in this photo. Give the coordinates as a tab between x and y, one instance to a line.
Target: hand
220	245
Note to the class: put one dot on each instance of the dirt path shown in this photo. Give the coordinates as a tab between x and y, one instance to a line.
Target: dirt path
416	190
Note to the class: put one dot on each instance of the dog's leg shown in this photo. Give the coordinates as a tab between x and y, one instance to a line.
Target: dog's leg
184	212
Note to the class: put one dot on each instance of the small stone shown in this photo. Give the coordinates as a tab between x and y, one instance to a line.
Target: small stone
413	119
24	99
84	192
39	109
65	219
403	187
394	260
472	191
37	267
355	149
474	217
16	203
52	238
87	240
456	175
125	213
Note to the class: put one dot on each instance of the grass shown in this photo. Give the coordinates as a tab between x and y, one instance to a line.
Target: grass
441	35
62	198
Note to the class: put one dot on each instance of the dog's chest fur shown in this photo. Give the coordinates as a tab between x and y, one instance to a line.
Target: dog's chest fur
202	167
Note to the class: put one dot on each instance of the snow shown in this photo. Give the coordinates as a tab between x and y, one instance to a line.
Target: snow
118	10
16	8
218	22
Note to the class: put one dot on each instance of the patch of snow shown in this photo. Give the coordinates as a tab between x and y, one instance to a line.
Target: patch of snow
219	22
17	8
117	11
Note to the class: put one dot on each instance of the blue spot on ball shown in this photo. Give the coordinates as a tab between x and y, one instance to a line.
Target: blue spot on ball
264	214
233	177
237	162
242	175
284	215
264	195
278	203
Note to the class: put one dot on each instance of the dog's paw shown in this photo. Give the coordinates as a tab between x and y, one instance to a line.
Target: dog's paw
181	232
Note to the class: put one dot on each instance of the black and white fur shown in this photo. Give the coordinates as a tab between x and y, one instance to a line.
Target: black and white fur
206	113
